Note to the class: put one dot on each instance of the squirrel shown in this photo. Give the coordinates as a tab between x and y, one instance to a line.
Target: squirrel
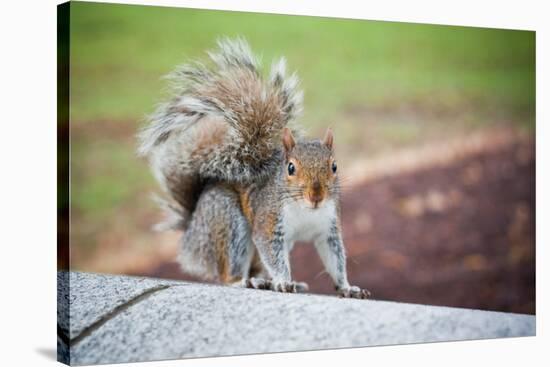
243	183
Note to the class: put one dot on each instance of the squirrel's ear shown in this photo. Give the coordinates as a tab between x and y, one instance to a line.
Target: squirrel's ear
288	140
329	138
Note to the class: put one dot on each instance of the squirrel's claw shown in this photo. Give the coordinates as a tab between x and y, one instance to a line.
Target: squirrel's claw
256	283
285	287
289	287
354	292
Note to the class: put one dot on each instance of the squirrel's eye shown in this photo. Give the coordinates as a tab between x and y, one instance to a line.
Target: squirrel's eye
334	167
291	169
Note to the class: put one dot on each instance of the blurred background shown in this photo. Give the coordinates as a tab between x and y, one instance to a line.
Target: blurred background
434	132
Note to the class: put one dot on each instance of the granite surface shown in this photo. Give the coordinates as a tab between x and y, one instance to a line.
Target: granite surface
126	319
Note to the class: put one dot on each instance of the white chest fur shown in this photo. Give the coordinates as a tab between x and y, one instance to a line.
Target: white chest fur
301	223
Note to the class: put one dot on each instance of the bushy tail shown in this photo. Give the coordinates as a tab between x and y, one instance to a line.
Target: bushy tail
224	122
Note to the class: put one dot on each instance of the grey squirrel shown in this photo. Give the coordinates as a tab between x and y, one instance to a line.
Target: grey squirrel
243	184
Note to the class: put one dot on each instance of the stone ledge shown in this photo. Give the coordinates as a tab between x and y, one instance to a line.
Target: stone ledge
128	319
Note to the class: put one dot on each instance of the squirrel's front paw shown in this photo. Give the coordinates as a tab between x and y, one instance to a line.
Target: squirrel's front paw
353	292
288	287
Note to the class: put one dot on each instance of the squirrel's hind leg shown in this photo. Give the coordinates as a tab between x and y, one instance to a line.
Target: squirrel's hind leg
217	243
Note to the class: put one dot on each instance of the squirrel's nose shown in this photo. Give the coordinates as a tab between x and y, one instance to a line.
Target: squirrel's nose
316	195
316	186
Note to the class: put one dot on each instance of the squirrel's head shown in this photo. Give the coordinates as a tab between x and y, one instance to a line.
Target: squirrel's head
310	170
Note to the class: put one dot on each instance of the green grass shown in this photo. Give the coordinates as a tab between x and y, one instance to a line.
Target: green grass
355	74
119	53
106	175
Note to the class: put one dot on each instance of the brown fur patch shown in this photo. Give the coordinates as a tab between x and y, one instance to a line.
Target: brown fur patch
220	238
269	226
256	107
246	207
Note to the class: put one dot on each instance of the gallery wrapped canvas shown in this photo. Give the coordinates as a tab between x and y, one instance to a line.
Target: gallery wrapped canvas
239	183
